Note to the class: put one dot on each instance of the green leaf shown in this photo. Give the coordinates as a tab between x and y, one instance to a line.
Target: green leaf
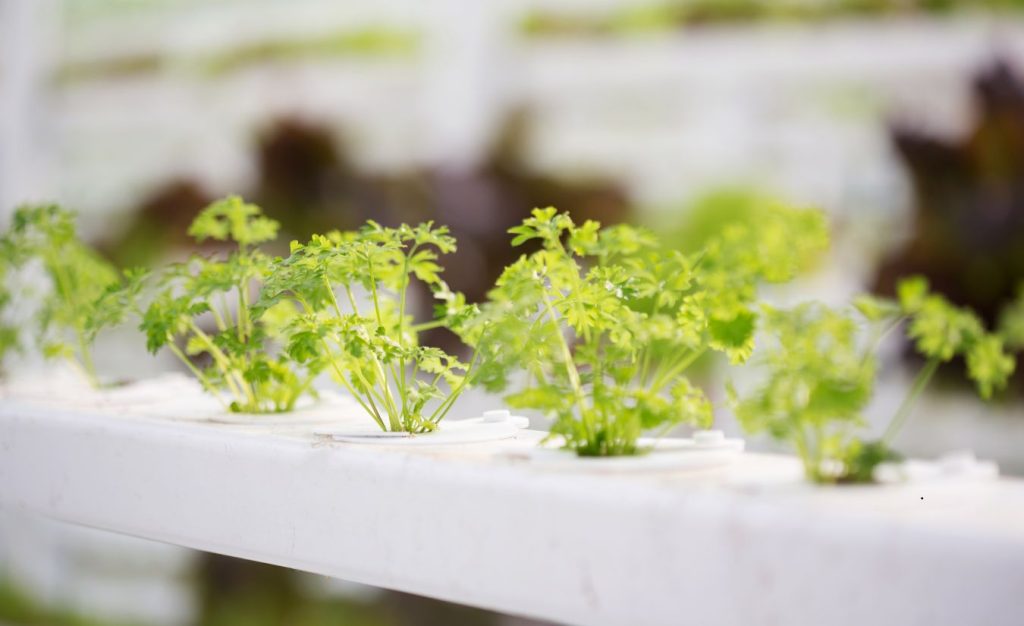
912	293
988	365
876	309
71	305
233	219
734	336
1011	322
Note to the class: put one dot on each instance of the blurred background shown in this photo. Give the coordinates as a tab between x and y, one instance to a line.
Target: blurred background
903	120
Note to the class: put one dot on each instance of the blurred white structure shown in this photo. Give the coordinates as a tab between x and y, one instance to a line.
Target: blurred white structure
485	525
27	46
800	108
797	108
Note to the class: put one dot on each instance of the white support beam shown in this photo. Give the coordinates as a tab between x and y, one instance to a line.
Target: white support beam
749	545
28	30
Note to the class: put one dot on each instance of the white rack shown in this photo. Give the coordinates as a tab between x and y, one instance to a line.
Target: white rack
473	524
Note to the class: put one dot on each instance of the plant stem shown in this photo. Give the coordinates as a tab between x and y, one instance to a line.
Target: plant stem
203	380
371	408
680	366
219	317
401	317
373	290
86	358
920	382
455	393
570	365
243	310
232	378
387	402
352	300
418	328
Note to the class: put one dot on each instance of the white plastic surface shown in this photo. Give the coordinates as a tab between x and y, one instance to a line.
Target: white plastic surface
449	431
749	543
707	449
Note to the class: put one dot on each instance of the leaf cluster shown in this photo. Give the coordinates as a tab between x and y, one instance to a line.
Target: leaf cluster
605	322
351	290
821	365
1011	322
202	311
44	238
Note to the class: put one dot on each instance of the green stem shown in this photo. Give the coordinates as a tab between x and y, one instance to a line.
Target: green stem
243	311
570	365
371	392
218	317
401	322
680	366
85	355
418	328
881	335
352	300
387	401
394	416
203	380
446	406
373	290
62	283
920	382
232	378
371	408
646	362
334	299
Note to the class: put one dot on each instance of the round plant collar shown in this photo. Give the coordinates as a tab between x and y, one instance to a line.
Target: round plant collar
328	408
492	426
705	450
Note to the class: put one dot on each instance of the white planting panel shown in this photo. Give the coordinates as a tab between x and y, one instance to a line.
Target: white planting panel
750	544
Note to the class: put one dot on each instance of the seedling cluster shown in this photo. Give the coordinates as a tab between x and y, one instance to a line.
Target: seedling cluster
599	328
42	244
822	365
372	348
605	323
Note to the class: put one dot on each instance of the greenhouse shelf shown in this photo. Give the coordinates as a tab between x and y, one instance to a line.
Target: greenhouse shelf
481	525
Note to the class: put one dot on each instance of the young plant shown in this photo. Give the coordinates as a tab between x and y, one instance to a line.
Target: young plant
605	323
353	291
44	237
191	296
821	366
1011	322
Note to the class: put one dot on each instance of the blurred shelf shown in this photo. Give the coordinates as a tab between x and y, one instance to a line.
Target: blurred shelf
471	524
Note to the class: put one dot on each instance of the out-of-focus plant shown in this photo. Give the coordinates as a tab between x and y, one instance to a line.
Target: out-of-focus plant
243	349
821	366
44	238
1011	322
605	322
664	16
374	350
367	42
967	236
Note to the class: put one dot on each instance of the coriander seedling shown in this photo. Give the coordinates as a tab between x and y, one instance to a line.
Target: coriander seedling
244	362
605	323
821	367
353	289
76	275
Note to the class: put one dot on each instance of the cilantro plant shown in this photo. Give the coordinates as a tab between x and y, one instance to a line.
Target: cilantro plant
188	297
605	322
821	366
1011	322
353	290
44	238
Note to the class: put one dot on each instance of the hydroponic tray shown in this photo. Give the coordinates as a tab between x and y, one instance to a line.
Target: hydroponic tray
745	543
